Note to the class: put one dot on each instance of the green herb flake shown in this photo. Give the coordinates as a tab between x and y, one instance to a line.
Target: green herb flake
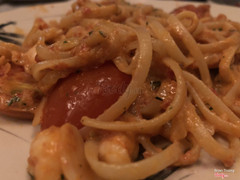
155	84
13	100
209	107
159	98
90	32
65	41
102	34
219	29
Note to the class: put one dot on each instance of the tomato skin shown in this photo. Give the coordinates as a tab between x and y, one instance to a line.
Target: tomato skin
87	93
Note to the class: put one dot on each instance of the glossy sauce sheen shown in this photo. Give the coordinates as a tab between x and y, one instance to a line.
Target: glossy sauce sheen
87	93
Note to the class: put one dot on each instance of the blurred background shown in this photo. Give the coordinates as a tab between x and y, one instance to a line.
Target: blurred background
6	5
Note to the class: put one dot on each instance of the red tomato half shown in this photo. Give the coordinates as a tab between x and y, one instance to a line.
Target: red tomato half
87	93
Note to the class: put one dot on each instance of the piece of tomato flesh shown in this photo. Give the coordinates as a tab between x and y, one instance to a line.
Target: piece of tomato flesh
87	93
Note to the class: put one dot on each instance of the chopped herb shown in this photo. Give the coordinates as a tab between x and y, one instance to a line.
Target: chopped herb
159	98
90	32
13	100
146	22
24	104
219	29
170	107
209	107
102	34
155	84
65	42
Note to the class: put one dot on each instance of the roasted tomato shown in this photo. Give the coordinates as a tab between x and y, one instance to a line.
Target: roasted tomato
87	93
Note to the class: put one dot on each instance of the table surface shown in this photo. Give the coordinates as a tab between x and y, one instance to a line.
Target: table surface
6	5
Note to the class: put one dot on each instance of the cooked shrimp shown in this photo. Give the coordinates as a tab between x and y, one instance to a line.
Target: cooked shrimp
44	155
73	161
118	148
58	152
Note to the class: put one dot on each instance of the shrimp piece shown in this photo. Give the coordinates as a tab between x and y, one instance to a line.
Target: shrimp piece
58	152
118	148
44	162
73	161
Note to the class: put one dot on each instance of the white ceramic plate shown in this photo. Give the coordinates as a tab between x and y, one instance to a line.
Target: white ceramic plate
16	135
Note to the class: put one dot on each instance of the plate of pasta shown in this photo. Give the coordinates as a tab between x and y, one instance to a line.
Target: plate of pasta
121	90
